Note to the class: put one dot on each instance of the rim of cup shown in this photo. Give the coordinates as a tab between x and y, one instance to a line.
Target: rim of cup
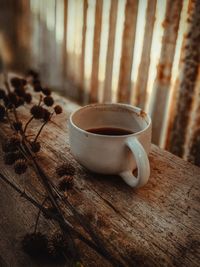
139	112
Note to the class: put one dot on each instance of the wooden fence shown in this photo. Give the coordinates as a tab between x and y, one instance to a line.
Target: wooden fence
143	52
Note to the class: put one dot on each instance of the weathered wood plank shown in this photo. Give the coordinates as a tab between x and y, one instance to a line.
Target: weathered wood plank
96	51
143	71
162	82
82	64
157	225
107	96
124	84
188	78
64	43
15	43
193	144
174	98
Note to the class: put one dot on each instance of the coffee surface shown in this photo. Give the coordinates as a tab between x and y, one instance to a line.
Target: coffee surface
109	131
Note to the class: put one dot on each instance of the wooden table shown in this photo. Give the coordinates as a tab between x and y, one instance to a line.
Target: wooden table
158	225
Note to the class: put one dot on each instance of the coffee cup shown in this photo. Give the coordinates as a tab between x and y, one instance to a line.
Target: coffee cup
112	139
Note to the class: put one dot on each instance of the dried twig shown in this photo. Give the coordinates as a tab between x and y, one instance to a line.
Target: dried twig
52	193
65	225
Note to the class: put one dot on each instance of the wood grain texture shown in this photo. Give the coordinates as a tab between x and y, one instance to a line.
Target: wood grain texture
107	96
188	78
143	71
193	153
82	64
157	225
15	34
64	42
173	100
96	52
162	82
124	84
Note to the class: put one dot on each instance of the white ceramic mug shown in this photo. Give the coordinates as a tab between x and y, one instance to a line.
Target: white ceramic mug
112	154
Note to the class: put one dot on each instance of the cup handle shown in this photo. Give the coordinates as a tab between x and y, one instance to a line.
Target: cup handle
142	162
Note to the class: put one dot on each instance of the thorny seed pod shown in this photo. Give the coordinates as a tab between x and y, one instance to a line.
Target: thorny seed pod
65	169
6	101
16	82
65	183
19	155
32	73
51	210
2	112
17	125
23	81
37	88
20	166
37	112
58	246
9	158
13	98
48	100
46	91
36	82
2	93
20	102
35	146
28	98
46	115
11	144
35	245
19	91
14	141
58	109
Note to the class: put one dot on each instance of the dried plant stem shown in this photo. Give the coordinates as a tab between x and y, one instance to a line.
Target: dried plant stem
9	120
54	197
39	132
48	189
86	226
9	91
15	114
97	244
41	174
38	215
41	128
40	100
29	121
65	225
6	82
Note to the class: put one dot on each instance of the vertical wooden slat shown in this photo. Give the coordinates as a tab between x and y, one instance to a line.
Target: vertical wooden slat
24	33
162	82
51	60
195	146
43	42
124	84
96	51
110	52
15	33
64	44
143	72
173	101
187	85
82	62
192	144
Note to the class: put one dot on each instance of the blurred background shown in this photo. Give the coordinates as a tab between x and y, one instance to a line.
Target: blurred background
143	52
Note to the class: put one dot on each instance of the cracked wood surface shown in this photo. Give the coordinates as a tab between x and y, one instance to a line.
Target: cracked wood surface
157	225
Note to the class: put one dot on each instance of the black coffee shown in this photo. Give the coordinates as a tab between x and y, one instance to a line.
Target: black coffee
110	131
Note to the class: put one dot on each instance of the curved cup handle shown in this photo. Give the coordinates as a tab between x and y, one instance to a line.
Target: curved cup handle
142	162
